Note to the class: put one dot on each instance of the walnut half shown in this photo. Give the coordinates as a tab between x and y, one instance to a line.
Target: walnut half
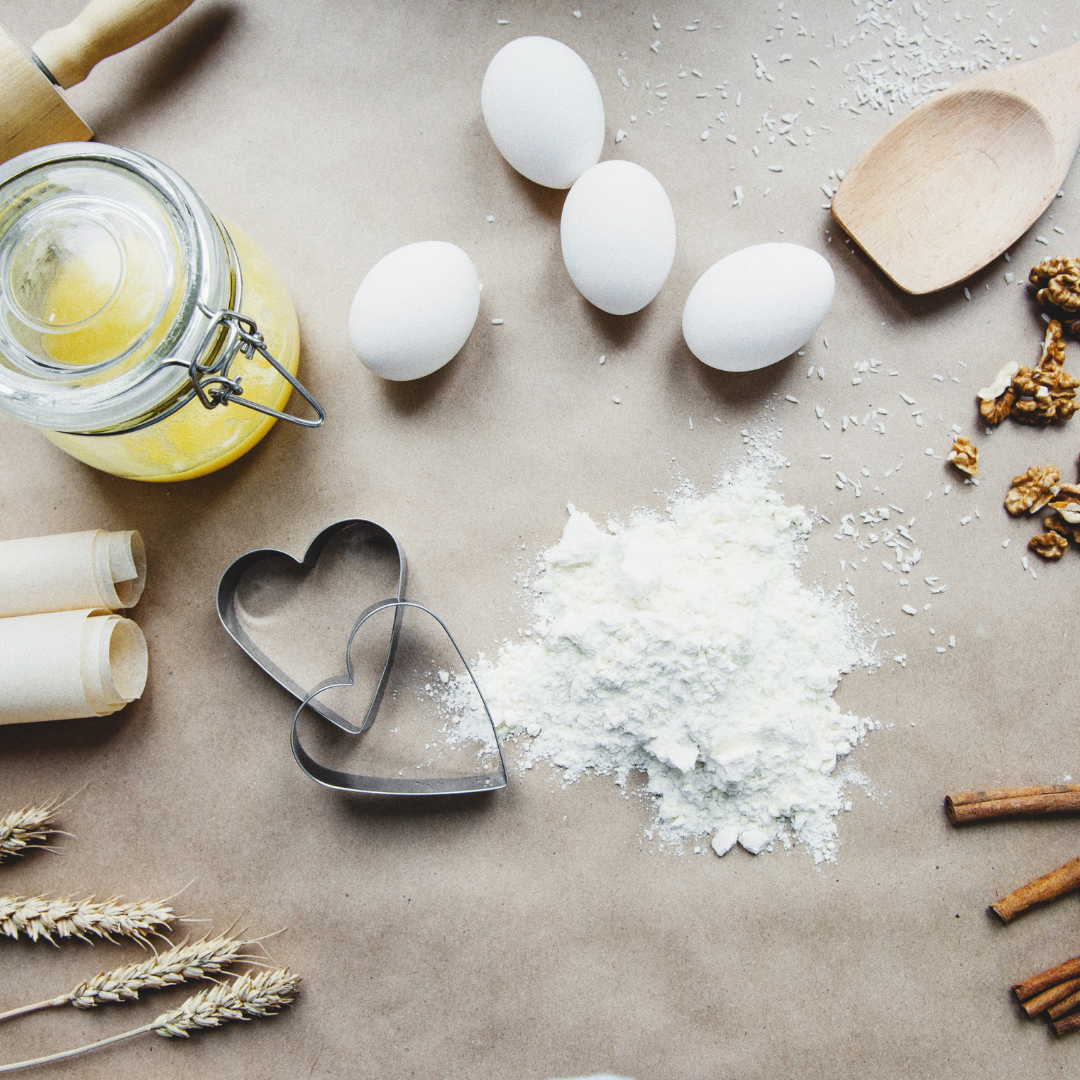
1046	393
1050	545
965	456
1033	490
1038	395
1058	280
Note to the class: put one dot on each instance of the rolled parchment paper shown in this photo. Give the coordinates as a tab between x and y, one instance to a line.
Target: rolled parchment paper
69	664
71	572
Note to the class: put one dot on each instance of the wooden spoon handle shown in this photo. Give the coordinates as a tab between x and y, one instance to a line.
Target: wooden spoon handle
102	28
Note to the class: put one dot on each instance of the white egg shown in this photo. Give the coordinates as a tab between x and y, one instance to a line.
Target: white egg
543	109
757	306
414	310
618	236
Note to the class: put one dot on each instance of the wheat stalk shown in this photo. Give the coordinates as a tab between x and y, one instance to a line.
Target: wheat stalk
20	829
36	917
245	998
182	963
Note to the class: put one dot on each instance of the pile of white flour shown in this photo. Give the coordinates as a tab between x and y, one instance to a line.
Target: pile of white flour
685	646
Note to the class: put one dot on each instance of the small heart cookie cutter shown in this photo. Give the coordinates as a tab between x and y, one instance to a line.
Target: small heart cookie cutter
332	778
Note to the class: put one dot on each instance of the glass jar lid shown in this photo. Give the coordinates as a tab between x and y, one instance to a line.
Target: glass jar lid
111	271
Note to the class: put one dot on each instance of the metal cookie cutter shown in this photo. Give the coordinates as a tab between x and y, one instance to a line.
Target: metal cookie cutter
370	533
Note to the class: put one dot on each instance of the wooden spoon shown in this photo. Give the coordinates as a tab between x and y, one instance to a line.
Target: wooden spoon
952	185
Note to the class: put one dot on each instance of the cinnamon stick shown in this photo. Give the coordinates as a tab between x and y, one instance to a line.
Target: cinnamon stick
1063	1007
1012	802
1045	980
1049	887
1070	1023
1048	998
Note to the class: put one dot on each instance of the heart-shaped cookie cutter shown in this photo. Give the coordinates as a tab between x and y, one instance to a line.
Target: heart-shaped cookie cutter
380	785
321	774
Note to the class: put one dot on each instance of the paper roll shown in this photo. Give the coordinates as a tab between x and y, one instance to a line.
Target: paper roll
70	572
69	664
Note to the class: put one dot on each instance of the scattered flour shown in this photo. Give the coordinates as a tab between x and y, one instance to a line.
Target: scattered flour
685	646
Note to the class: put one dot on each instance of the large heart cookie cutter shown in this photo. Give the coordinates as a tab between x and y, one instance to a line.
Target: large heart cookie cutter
229	612
388	785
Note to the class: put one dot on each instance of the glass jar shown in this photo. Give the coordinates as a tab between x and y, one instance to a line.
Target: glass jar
137	332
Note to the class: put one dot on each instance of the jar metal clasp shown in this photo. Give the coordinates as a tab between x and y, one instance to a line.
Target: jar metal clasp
211	382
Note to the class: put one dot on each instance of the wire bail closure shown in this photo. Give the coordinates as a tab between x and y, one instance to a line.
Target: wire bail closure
211	382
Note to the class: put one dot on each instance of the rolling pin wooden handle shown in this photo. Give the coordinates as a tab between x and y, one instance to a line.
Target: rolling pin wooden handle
102	28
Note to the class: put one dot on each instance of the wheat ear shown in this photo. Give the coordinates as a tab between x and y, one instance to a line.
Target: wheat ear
30	826
245	998
182	963
36	917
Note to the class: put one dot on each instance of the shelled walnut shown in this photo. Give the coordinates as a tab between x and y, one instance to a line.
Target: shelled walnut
965	456
1048	392
1033	490
1038	395
1067	519
1058	284
1063	528
1050	545
1058	281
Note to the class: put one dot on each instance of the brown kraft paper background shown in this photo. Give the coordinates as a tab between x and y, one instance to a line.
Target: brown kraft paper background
539	932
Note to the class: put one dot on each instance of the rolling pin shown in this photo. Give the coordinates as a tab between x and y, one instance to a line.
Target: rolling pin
33	111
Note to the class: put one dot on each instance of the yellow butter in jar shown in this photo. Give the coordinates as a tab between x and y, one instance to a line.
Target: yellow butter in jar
137	332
